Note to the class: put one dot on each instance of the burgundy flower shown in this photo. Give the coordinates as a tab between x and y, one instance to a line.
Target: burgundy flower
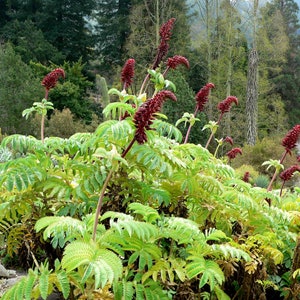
229	140
246	177
176	60
144	116
165	33
225	105
128	73
288	173
202	96
234	152
50	80
290	140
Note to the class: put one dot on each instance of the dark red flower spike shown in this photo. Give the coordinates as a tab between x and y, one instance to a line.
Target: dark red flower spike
225	105
51	79
175	61
165	33
202	96
127	73
144	116
229	140
291	138
288	173
234	152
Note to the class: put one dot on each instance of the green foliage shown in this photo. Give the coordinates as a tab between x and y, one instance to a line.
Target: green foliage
157	220
64	124
263	150
40	282
18	90
176	227
72	92
30	42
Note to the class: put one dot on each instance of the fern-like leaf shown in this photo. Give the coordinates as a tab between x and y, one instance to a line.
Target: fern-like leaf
103	264
21	144
209	270
182	230
116	109
112	131
60	229
166	129
148	213
125	223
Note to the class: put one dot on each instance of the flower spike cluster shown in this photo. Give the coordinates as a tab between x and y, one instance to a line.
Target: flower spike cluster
176	60
234	152
127	73
202	96
165	33
290	140
288	173
246	176
225	105
51	79
144	116
228	140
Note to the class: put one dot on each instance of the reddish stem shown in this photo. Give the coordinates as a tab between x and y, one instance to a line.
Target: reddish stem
144	83
128	148
42	128
281	188
190	127
269	188
100	200
212	133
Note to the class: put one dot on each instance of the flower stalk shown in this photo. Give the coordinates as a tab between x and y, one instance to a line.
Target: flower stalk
49	82
165	33
201	99
224	106
289	142
142	119
287	175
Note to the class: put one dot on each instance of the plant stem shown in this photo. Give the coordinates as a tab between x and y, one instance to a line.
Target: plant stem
217	149
166	71
103	190
190	127
100	202
128	148
212	133
281	188
269	188
144	83
42	128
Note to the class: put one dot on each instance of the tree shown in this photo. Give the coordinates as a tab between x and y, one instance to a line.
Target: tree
72	92
272	45
146	18
288	81
252	82
64	24
18	90
30	42
112	28
228	66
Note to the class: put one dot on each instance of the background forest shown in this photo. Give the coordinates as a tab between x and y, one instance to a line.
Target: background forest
92	39
106	188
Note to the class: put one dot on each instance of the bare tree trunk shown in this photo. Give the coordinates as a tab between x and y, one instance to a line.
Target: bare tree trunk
251	98
252	84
